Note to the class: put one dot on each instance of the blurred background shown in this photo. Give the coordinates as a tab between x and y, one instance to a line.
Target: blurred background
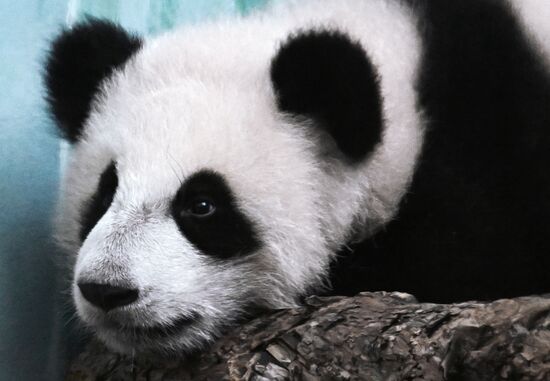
36	334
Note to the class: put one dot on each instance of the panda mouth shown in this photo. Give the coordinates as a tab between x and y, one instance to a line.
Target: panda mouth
156	331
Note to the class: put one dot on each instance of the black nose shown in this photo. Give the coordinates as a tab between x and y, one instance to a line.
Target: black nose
106	296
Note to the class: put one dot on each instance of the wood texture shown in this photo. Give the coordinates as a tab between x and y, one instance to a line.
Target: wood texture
373	336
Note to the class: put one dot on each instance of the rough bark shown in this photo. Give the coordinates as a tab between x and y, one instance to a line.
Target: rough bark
373	336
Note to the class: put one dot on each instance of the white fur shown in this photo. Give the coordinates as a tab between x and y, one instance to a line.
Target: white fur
201	98
535	18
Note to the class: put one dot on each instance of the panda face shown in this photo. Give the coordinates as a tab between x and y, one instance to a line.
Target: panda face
191	213
219	169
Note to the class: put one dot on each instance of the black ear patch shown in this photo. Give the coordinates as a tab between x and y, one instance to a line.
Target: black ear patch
79	59
326	76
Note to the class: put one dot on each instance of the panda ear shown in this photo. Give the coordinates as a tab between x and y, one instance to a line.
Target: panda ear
326	76
79	59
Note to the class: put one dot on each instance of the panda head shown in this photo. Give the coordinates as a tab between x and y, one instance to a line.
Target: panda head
206	180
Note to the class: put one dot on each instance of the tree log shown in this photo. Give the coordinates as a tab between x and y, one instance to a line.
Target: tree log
373	336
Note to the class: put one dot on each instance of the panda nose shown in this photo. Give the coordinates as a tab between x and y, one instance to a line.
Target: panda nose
106	296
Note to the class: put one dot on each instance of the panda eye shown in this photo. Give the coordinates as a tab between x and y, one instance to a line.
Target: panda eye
201	207
209	217
101	201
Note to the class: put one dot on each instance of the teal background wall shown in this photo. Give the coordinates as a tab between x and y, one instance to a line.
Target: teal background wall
33	336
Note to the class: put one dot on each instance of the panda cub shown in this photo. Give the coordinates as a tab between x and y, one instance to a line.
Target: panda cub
320	146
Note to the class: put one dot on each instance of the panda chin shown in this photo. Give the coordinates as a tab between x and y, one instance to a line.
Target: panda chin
156	331
153	338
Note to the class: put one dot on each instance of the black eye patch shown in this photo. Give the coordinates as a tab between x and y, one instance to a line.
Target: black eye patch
100	202
207	214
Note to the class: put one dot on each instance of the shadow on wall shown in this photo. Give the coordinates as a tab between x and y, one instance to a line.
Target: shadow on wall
33	338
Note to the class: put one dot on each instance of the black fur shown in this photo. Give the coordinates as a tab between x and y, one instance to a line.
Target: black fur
80	58
100	202
475	224
227	232
328	77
